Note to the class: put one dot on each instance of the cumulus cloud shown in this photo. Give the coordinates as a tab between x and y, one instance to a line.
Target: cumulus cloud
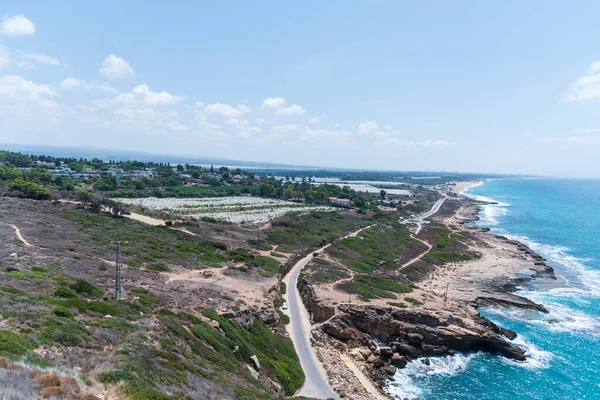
273	103
142	95
4	57
587	87
367	127
116	67
15	87
29	58
72	83
16	25
223	110
292	110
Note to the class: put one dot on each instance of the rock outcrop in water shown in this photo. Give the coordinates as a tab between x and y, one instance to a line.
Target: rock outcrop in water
408	334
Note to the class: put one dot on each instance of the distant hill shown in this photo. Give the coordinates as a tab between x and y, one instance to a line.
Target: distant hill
125	155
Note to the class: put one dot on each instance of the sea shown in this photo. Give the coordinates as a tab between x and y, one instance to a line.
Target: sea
560	220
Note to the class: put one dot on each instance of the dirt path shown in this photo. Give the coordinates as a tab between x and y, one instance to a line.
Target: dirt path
417	258
20	236
366	382
146	220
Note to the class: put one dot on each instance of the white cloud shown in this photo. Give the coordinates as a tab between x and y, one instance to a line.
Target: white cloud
586	87
315	120
39	58
115	67
176	126
243	108
367	127
286	128
292	110
4	57
72	83
142	95
223	110
16	25
273	103
15	87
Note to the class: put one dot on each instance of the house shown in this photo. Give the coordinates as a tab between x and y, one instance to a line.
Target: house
340	202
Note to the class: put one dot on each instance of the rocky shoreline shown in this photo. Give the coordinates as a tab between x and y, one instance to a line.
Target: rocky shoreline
383	338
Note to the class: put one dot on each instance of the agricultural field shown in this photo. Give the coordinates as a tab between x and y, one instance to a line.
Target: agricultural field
235	209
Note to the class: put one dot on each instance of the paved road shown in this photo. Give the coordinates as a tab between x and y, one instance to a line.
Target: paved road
299	328
434	209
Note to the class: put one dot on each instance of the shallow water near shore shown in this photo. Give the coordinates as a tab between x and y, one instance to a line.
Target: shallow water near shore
560	220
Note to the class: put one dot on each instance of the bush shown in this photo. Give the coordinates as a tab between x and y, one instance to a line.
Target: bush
82	286
284	318
112	377
64	292
158	267
413	301
15	344
64	312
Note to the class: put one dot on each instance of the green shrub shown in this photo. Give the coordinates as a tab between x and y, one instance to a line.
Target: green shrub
39	269
146	298
64	292
413	301
116	376
285	319
63	312
158	267
15	344
82	286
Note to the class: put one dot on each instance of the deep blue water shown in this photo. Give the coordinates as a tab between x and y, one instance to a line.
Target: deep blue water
560	219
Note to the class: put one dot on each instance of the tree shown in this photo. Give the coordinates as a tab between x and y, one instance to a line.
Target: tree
382	194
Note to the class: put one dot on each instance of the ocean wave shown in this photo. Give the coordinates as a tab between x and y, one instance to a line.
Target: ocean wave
581	279
560	318
536	357
403	385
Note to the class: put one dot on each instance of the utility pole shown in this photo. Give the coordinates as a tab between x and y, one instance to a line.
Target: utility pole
118	272
118	286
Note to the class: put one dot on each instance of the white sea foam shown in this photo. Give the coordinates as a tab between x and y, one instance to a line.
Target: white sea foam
560	317
581	280
536	357
403	385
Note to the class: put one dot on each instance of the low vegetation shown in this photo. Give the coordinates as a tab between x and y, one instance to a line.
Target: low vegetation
369	287
313	229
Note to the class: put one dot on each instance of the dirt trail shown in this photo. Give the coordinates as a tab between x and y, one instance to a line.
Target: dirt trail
146	220
417	258
20	236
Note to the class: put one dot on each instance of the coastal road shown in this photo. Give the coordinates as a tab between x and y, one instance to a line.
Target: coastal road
433	210
299	328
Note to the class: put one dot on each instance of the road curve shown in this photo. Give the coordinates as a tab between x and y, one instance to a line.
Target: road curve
299	328
433	210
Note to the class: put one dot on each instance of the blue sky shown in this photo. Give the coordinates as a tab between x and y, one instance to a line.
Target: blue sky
458	86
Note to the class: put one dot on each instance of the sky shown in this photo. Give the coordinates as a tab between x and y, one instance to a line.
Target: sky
470	86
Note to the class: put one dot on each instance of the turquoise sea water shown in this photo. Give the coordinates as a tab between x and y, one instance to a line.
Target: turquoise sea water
560	219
